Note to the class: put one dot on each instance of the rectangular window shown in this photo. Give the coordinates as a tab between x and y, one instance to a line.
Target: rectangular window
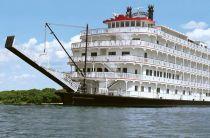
145	55
142	88
143	24
169	75
177	77
117	24
173	76
83	54
112	53
113	24
127	24
157	42
132	23
158	90
138	23
154	73
94	54
176	91
122	24
147	72
124	53
167	91
183	92
161	74
136	88
125	70
88	70
150	72
164	75
99	69
149	89
136	72
118	69
158	73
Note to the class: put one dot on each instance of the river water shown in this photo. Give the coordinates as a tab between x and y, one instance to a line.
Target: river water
32	121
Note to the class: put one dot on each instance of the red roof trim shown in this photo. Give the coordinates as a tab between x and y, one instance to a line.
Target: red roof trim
125	18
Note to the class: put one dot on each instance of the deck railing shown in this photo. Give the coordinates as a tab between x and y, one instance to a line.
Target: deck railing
150	31
138	77
144	61
138	43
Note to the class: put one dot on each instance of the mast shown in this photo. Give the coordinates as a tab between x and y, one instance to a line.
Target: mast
85	66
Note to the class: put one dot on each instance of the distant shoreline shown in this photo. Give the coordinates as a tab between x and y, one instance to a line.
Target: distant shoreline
33	96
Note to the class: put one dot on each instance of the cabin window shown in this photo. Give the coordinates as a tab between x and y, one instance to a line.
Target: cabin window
99	69
147	72
150	72
125	70
127	24
189	92
136	88
167	91
176	91
164	75
183	92
112	53
161	74
83	54
136	71
113	24
118	69
133	23
157	42
88	70
173	76
154	73
124	53
158	73
122	24
94	54
145	55
142	88
138	23
117	24
149	89
158	90
143	24
109	25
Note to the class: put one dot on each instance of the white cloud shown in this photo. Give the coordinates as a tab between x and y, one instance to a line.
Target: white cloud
61	54
200	35
195	25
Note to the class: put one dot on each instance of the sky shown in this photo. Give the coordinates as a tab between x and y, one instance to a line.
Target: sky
26	18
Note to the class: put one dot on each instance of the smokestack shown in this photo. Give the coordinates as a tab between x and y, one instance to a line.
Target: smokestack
150	11
129	12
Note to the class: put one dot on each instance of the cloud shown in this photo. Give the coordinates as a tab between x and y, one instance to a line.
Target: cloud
195	25
200	35
61	54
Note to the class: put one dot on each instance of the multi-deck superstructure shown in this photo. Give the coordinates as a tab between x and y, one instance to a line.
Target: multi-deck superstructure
134	57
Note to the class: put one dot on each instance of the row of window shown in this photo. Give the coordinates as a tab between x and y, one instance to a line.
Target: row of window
161	74
113	53
167	91
129	24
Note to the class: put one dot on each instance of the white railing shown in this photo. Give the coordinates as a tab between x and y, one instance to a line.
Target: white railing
151	31
145	61
66	79
138	43
138	77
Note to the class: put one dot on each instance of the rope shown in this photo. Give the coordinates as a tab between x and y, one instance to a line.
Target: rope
67	25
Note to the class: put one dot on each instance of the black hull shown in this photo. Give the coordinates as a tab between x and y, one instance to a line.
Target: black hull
78	99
